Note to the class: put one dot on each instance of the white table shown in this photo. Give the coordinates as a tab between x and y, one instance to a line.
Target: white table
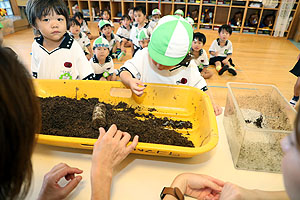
143	177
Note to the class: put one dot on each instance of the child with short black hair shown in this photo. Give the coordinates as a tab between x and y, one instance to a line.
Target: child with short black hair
124	32
113	40
80	37
131	15
155	17
55	55
221	51
140	17
200	55
101	62
83	25
105	15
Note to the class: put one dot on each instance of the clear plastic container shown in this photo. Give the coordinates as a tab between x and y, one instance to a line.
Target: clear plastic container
256	118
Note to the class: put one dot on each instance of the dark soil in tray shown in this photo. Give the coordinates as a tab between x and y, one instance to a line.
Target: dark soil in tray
73	118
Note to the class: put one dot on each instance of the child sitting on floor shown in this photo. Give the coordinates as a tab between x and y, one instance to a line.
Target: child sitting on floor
200	56
101	62
55	55
113	40
165	60
83	25
155	17
179	12
105	15
80	37
221	52
124	32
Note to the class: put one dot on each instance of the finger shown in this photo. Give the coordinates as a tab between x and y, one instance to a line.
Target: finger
69	177
65	171
125	139
213	186
112	131
132	146
58	167
118	135
71	186
138	93
217	181
101	133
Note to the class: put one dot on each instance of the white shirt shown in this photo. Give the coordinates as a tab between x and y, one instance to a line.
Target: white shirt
142	68
67	61
152	24
202	59
135	32
123	32
84	27
113	41
83	40
222	51
108	66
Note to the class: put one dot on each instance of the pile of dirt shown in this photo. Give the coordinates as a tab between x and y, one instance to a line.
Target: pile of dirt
73	118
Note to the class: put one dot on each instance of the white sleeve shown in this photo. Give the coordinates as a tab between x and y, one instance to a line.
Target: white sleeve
34	61
206	61
132	34
84	67
213	46
119	31
135	64
112	69
118	38
87	41
196	79
230	49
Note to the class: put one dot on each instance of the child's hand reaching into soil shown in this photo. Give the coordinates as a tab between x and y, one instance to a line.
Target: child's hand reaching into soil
110	149
137	86
52	190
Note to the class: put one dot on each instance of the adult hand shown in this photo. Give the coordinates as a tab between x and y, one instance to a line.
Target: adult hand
217	109
111	148
52	190
198	186
233	192
137	86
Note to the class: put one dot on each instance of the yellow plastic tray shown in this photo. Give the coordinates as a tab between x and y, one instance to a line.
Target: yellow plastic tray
175	102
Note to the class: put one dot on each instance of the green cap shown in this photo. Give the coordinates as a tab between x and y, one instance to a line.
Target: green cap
156	12
171	40
100	42
179	12
143	35
190	20
1	26
103	23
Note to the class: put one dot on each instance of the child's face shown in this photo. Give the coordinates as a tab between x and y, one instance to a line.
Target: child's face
75	29
106	15
107	31
144	43
139	17
125	22
101	52
197	45
224	35
155	18
130	13
79	20
52	26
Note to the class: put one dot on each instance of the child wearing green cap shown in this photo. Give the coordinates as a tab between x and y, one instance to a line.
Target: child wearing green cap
166	60
155	17
179	12
113	40
101	62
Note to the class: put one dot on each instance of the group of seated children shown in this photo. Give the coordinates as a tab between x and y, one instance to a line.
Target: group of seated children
69	62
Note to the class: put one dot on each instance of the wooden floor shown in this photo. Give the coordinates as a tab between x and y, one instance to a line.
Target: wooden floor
258	59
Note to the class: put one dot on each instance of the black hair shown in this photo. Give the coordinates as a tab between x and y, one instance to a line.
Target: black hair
126	17
73	21
107	12
140	8
36	9
79	15
200	37
226	28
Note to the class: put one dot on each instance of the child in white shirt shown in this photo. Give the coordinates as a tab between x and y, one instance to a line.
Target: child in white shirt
200	55
143	39
166	60
101	62
55	55
221	52
105	14
83	25
155	17
124	32
80	37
